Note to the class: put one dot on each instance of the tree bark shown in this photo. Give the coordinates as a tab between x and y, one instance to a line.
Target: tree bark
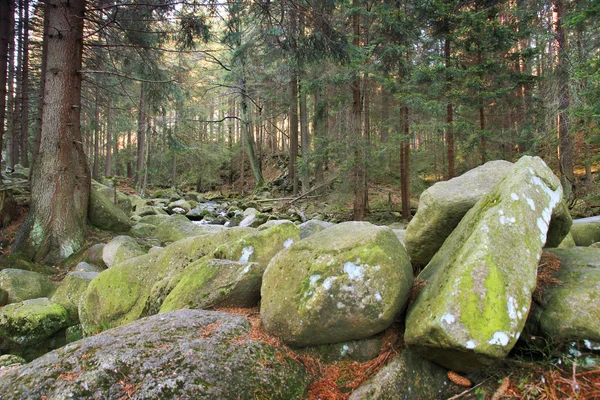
24	130
141	135
16	110
293	170
60	186
6	13
10	161
305	140
449	114
249	144
405	164
38	130
96	133
359	179
565	142
107	169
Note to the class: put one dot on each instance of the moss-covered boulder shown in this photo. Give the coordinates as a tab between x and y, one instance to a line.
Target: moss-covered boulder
70	292
216	283
186	354
176	228
94	255
586	231
123	201
29	322
443	205
360	350
142	230
183	205
407	377
261	245
571	310
479	284
24	285
346	282
145	211
86	267
567	242
138	286
3	297
119	249
253	218
154	219
313	226
104	214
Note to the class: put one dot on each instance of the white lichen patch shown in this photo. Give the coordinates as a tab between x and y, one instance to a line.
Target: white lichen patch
543	227
288	243
378	296
448	318
354	272
470	344
531	203
313	279
485	228
499	338
246	270
514	196
246	253
327	283
340	305
512	308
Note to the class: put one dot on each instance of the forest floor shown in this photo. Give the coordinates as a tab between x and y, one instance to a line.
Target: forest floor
524	375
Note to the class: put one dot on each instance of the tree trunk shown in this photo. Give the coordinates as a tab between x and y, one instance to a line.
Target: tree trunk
565	143
360	195
6	15
305	142
294	132
483	141
60	186
38	130
405	165
449	115
16	111
10	161
107	169
320	132
24	130
141	135
247	132
129	154
96	132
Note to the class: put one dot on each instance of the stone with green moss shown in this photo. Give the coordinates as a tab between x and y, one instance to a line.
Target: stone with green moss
479	284
313	226
123	201
347	282
443	205
8	360
571	311
120	249
145	211
24	285
407	377
216	283
70	292
586	231
176	228
138	286
185	354
567	242
142	230
154	219
19	261
261	245
31	321
182	204
361	350
104	214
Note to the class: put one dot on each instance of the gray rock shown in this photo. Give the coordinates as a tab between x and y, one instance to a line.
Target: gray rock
24	285
443	205
586	231
94	255
30	321
407	377
570	311
85	267
104	214
346	282
175	228
181	204
123	201
186	354
216	283
361	350
70	292
313	226
142	230
154	219
119	249
479	284
8	360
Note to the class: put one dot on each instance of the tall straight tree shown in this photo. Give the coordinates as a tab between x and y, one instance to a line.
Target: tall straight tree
60	185
361	204
24	115
6	12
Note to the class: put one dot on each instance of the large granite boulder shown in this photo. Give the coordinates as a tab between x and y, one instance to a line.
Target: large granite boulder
407	377
216	283
182	205
123	201
586	231
346	282
119	249
443	205
104	214
261	245
24	285
138	286
29	323
313	226
479	284
70	292
571	310
186	354
175	228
